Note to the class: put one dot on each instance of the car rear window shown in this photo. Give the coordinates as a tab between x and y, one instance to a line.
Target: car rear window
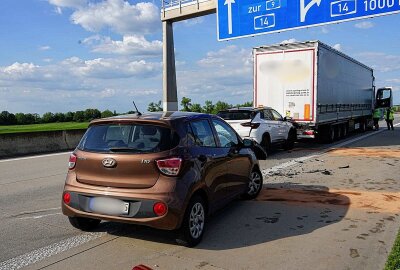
135	138
237	115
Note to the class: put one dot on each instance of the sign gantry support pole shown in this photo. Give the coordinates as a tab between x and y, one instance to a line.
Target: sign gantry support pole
175	11
170	95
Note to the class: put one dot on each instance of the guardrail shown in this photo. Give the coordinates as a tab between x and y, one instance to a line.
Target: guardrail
174	4
18	144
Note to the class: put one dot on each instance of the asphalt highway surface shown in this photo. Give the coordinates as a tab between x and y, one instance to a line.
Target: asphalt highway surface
324	206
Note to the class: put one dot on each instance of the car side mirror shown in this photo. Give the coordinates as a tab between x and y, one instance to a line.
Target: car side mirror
248	143
287	118
257	149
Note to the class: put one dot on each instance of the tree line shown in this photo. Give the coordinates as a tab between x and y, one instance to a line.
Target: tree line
208	107
7	118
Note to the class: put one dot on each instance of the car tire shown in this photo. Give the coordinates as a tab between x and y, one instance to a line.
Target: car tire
193	223
255	185
84	224
289	143
266	143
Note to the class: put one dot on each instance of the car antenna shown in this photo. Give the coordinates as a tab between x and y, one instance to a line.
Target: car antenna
137	111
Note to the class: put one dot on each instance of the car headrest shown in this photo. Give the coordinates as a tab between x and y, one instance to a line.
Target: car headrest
149	130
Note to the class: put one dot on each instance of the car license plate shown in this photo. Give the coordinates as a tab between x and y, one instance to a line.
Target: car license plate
108	206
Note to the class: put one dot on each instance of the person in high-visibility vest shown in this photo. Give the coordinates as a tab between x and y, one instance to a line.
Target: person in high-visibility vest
376	117
389	117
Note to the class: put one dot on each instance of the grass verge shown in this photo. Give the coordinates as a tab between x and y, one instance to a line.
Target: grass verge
393	261
42	127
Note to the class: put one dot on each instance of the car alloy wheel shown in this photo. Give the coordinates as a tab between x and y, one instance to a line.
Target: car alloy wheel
196	220
254	183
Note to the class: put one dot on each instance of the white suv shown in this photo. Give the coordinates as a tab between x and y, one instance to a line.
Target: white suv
264	125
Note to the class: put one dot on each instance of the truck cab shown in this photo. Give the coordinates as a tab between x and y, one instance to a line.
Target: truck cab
384	97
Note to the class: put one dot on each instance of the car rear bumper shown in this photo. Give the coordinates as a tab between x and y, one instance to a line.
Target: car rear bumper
301	136
141	202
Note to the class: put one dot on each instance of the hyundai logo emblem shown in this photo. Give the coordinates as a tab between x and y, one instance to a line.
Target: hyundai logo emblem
109	162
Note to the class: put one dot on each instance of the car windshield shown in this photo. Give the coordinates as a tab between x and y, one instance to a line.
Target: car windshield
135	138
237	115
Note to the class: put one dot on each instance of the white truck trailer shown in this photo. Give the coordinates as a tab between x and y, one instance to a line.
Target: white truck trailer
323	91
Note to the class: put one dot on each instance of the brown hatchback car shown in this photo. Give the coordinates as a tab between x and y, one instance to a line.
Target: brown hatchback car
163	170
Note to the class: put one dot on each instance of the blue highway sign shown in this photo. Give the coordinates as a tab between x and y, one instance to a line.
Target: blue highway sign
240	18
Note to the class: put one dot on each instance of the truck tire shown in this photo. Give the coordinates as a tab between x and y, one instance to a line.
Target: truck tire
363	126
345	130
340	131
331	134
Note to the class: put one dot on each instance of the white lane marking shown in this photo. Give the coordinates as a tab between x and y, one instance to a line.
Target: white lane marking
32	157
293	162
51	250
38	211
40	216
25	213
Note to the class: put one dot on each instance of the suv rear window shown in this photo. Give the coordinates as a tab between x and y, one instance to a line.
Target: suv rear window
237	115
135	138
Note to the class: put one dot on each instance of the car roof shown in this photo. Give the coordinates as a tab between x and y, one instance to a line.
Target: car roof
153	116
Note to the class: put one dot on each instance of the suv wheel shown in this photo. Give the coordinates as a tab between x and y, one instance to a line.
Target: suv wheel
255	185
266	143
194	220
289	143
84	224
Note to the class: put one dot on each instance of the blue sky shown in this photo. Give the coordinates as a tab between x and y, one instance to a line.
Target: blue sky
68	55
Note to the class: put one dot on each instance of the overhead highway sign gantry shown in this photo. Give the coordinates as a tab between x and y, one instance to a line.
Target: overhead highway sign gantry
241	18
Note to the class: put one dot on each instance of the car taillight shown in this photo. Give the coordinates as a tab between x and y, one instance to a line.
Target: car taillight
250	124
308	132
67	198
72	161
160	209
170	166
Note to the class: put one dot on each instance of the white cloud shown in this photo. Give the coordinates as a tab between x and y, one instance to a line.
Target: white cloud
337	47
19	70
44	48
120	16
129	45
364	25
193	21
75	83
395	81
381	61
228	56
225	74
114	68
324	30
73	73
106	93
68	3
286	41
58	10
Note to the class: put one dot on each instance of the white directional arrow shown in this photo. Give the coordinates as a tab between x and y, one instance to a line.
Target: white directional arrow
305	9
229	3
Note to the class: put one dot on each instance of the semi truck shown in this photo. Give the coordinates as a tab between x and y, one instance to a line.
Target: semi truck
323	91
